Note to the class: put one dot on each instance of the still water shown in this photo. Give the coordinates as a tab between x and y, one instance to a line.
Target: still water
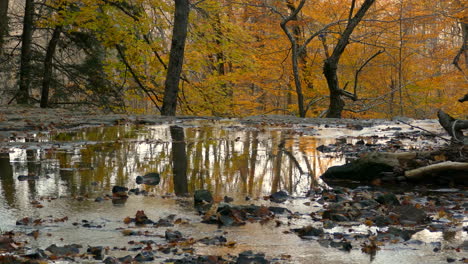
69	170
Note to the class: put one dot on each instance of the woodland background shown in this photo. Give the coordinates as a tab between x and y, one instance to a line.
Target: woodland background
403	58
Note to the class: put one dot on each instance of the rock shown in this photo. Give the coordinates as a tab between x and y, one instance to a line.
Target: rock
202	197
388	199
404	234
67	250
248	257
36	254
335	216
119	192
228	199
358	170
329	224
6	244
217	240
144	256
341	245
382	221
165	222
279	210
279	197
141	218
126	259
411	215
173	236
151	178
111	260
27	178
96	252
309	231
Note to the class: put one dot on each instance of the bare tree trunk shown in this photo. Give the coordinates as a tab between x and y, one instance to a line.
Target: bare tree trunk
3	22
26	39
176	57
47	77
330	66
295	54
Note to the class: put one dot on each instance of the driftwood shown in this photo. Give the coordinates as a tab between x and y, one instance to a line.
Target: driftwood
436	168
453	127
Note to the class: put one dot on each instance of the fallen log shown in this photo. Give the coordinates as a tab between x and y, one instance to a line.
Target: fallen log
453	127
419	173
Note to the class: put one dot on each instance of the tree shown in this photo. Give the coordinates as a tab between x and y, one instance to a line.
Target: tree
47	76
176	57
26	42
3	22
330	65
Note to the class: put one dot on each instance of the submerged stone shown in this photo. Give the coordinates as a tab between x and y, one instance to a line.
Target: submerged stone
388	199
279	197
309	231
248	257
66	250
202	197
152	178
96	252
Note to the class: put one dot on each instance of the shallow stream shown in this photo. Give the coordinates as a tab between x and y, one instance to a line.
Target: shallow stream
247	162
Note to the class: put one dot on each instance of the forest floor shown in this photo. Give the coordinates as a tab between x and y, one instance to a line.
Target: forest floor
363	224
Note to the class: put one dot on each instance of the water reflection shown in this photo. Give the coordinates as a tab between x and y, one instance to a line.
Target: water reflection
179	160
225	158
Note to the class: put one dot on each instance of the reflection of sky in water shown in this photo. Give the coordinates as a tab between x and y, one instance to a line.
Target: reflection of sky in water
223	157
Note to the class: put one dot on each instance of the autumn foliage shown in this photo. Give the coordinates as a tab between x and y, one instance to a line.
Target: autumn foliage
398	62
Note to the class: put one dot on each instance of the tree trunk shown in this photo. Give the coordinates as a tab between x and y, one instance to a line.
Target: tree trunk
47	77
295	53
330	66
3	22
25	68
176	57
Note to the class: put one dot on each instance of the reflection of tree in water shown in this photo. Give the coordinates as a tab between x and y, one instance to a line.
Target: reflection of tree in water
6	177
179	160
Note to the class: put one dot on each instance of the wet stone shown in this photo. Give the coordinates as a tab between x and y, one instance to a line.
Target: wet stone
329	224
217	240
388	199
173	236
96	252
410	214
144	256
309	231
66	250
248	257
151	178
382	221
279	197
202	197
126	259
36	254
111	260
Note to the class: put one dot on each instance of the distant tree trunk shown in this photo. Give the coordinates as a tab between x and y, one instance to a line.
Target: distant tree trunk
330	66
26	40
47	77
176	57
296	52
3	22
